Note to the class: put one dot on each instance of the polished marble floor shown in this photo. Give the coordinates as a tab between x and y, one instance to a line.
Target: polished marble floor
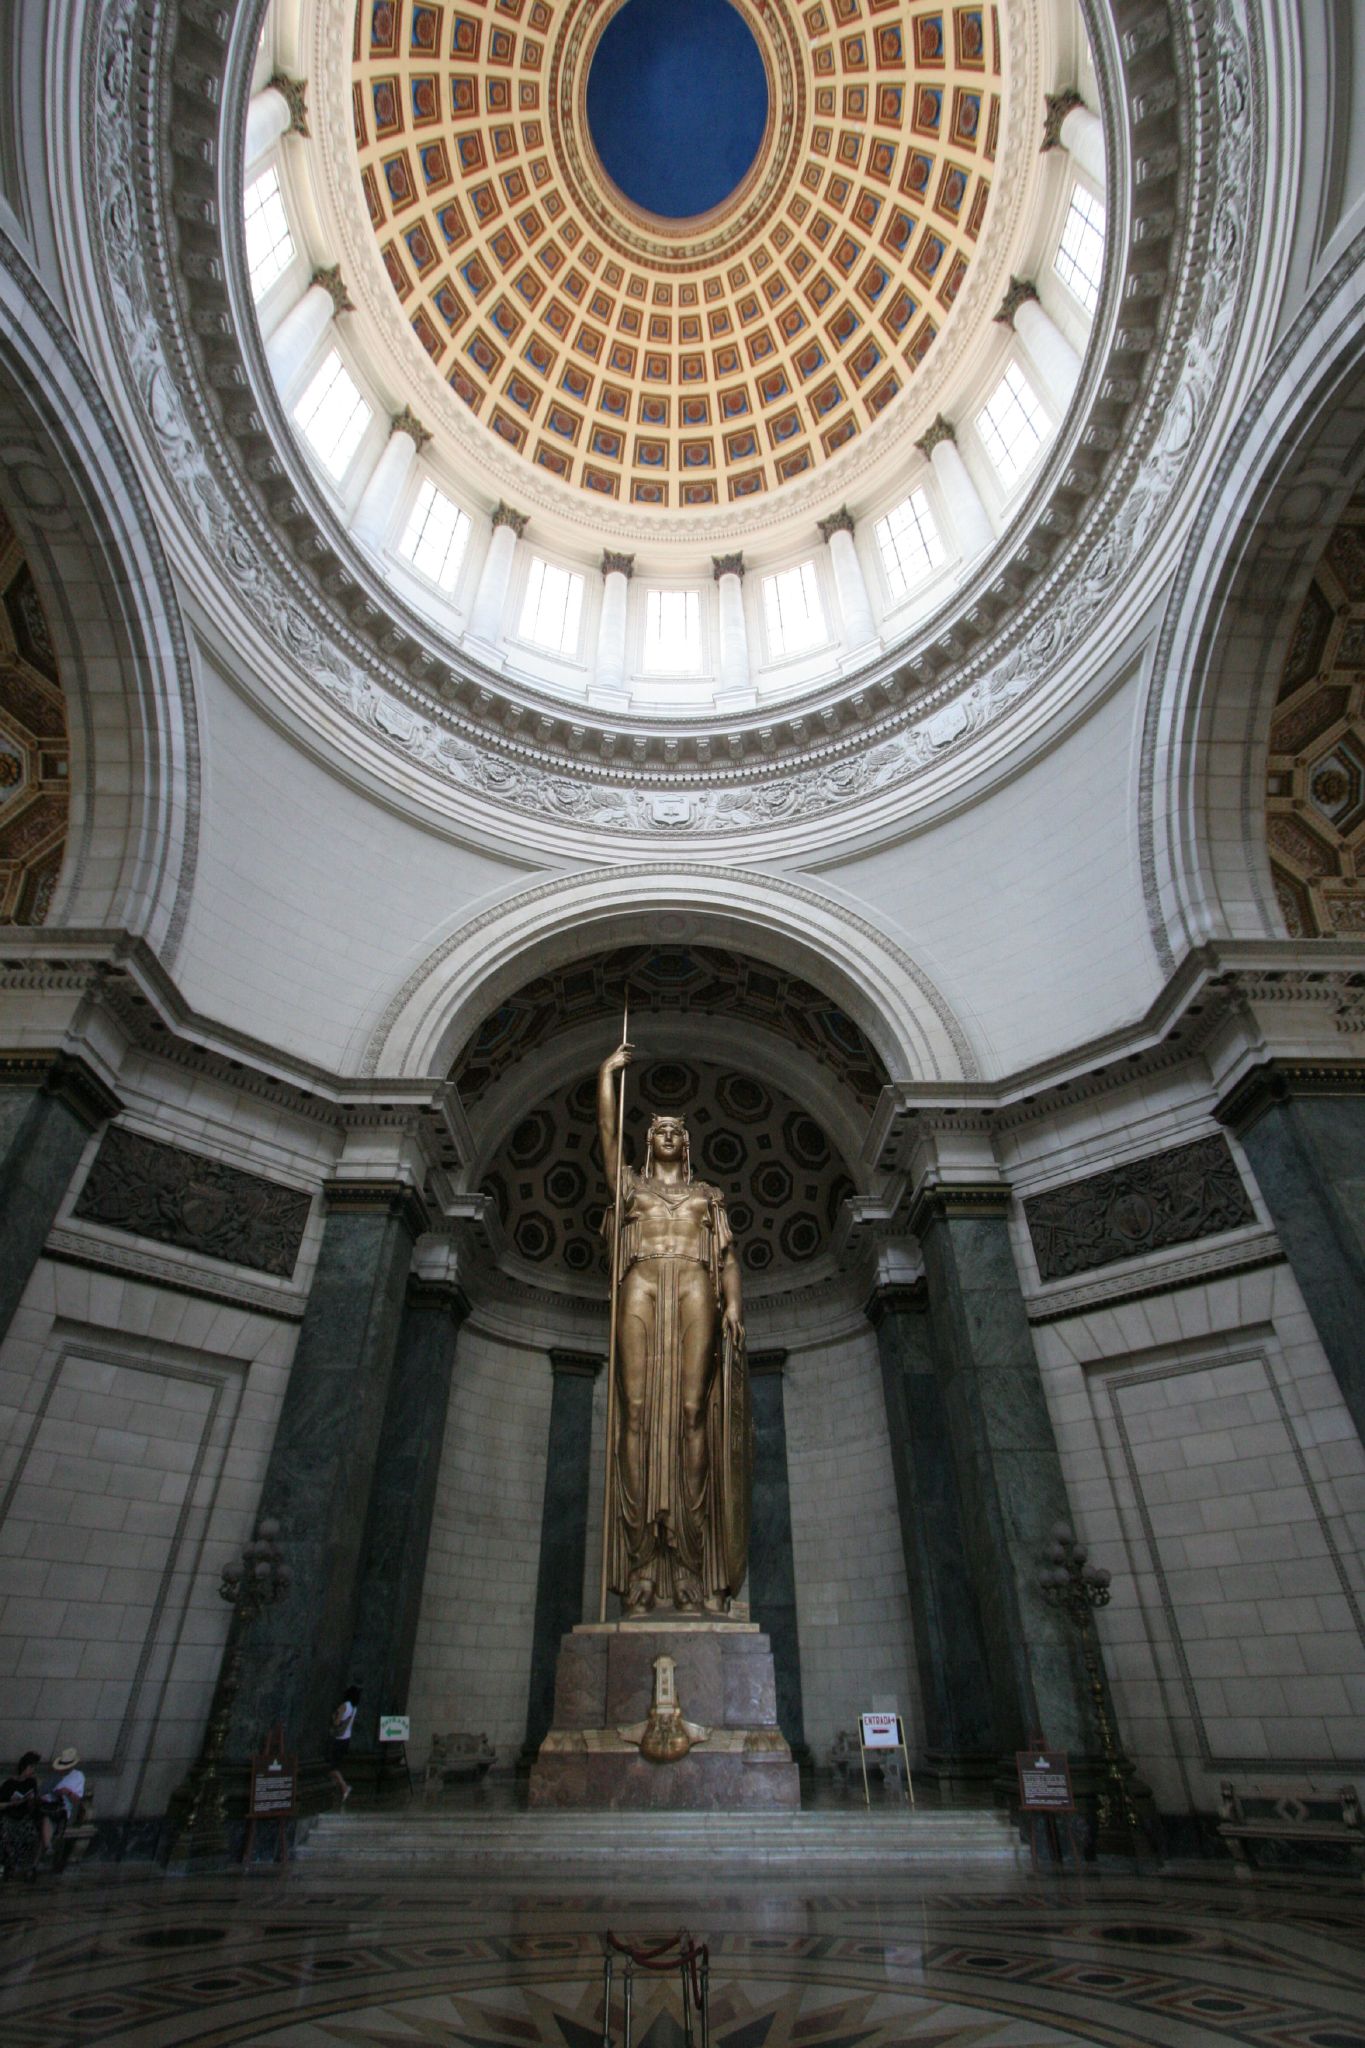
300	1959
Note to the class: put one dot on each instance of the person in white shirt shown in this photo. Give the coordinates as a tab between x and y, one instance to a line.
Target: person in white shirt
343	1721
64	1798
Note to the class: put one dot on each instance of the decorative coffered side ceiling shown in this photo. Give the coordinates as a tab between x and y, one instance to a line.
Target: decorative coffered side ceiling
34	754
676	365
698	981
1315	773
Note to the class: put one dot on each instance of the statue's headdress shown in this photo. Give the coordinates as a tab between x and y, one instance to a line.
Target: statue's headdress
654	1122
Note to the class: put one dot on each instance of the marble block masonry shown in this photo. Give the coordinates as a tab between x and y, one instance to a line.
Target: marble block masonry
725	1684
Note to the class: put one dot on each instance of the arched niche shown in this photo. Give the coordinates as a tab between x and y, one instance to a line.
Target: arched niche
1270	508
73	497
482	961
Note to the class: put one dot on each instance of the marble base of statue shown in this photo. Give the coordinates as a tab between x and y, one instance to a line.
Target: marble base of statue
721	1690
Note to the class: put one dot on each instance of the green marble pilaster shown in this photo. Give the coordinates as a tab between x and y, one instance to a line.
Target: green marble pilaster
1009	1473
1303	1129
296	1655
402	1498
49	1105
563	1534
772	1566
960	1737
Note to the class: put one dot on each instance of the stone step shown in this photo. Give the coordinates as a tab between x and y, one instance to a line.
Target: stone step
519	1843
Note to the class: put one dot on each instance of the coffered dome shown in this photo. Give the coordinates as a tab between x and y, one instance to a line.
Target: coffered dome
688	363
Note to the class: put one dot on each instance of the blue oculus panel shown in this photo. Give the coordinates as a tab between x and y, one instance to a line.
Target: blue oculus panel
677	103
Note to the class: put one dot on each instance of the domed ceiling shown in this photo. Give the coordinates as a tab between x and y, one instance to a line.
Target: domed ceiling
676	364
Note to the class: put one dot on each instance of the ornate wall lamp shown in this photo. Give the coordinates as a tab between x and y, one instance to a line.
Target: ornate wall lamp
1070	1582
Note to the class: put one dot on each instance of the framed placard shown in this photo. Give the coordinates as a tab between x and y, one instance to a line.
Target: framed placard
395	1727
1044	1781
881	1731
274	1788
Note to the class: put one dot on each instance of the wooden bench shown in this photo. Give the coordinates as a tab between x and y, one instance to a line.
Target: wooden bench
1289	1817
72	1844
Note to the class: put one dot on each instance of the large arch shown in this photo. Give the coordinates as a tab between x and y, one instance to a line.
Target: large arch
74	499
485	959
1276	494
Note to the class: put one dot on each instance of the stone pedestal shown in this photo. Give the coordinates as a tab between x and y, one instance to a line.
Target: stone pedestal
725	1684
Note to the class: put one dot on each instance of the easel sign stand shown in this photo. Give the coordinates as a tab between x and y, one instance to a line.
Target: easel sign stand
1046	1796
274	1793
395	1732
883	1732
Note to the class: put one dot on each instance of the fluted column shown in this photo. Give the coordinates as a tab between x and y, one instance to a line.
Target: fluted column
734	678
1069	124
968	517
381	496
280	108
617	571
1056	361
485	616
855	607
294	341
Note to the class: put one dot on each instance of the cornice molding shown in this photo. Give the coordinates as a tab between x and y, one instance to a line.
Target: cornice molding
66	1077
897	1298
378	1198
439	1297
954	1202
1276	1082
575	1365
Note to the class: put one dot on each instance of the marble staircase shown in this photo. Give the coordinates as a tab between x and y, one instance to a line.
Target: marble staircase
792	1844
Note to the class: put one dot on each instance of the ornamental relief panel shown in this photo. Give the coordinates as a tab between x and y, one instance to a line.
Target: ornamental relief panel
1168	1198
154	1190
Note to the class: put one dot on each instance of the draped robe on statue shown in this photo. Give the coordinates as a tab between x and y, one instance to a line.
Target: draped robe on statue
669	1525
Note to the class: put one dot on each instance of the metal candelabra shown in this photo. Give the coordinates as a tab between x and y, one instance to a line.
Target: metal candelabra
250	1582
1070	1582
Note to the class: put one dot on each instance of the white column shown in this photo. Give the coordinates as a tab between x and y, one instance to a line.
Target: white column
855	607
734	678
485	614
373	515
1056	361
971	523
611	626
267	119
1069	124
298	334
1083	139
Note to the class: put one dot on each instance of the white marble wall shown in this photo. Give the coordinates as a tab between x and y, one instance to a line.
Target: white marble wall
852	1601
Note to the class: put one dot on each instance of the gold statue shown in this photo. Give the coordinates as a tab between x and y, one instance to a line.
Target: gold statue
678	1470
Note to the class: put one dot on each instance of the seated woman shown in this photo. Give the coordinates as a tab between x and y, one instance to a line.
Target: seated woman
23	1834
63	1800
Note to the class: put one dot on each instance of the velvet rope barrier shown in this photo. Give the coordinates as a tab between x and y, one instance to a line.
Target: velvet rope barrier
677	1950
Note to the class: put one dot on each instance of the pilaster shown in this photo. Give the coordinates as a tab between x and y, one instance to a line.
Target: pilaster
772	1569
563	1533
50	1102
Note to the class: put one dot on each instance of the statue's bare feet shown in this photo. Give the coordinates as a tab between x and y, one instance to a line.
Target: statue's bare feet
639	1597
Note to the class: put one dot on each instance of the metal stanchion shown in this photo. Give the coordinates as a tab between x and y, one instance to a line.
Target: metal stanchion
606	1999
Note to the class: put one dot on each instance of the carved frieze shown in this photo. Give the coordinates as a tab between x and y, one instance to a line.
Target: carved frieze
153	1190
1165	1199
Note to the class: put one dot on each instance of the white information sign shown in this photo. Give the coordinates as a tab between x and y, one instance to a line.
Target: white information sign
394	1727
881	1731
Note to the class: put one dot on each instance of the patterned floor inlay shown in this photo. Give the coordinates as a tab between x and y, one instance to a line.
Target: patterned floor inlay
424	1961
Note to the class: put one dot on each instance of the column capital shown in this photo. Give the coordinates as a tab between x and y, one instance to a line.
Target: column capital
70	1079
941	430
293	91
841	521
575	1365
330	280
617	565
956	1201
1021	290
897	1298
377	1198
1276	1081
1056	107
446	1296
503	515
767	1363
407	422
727	565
